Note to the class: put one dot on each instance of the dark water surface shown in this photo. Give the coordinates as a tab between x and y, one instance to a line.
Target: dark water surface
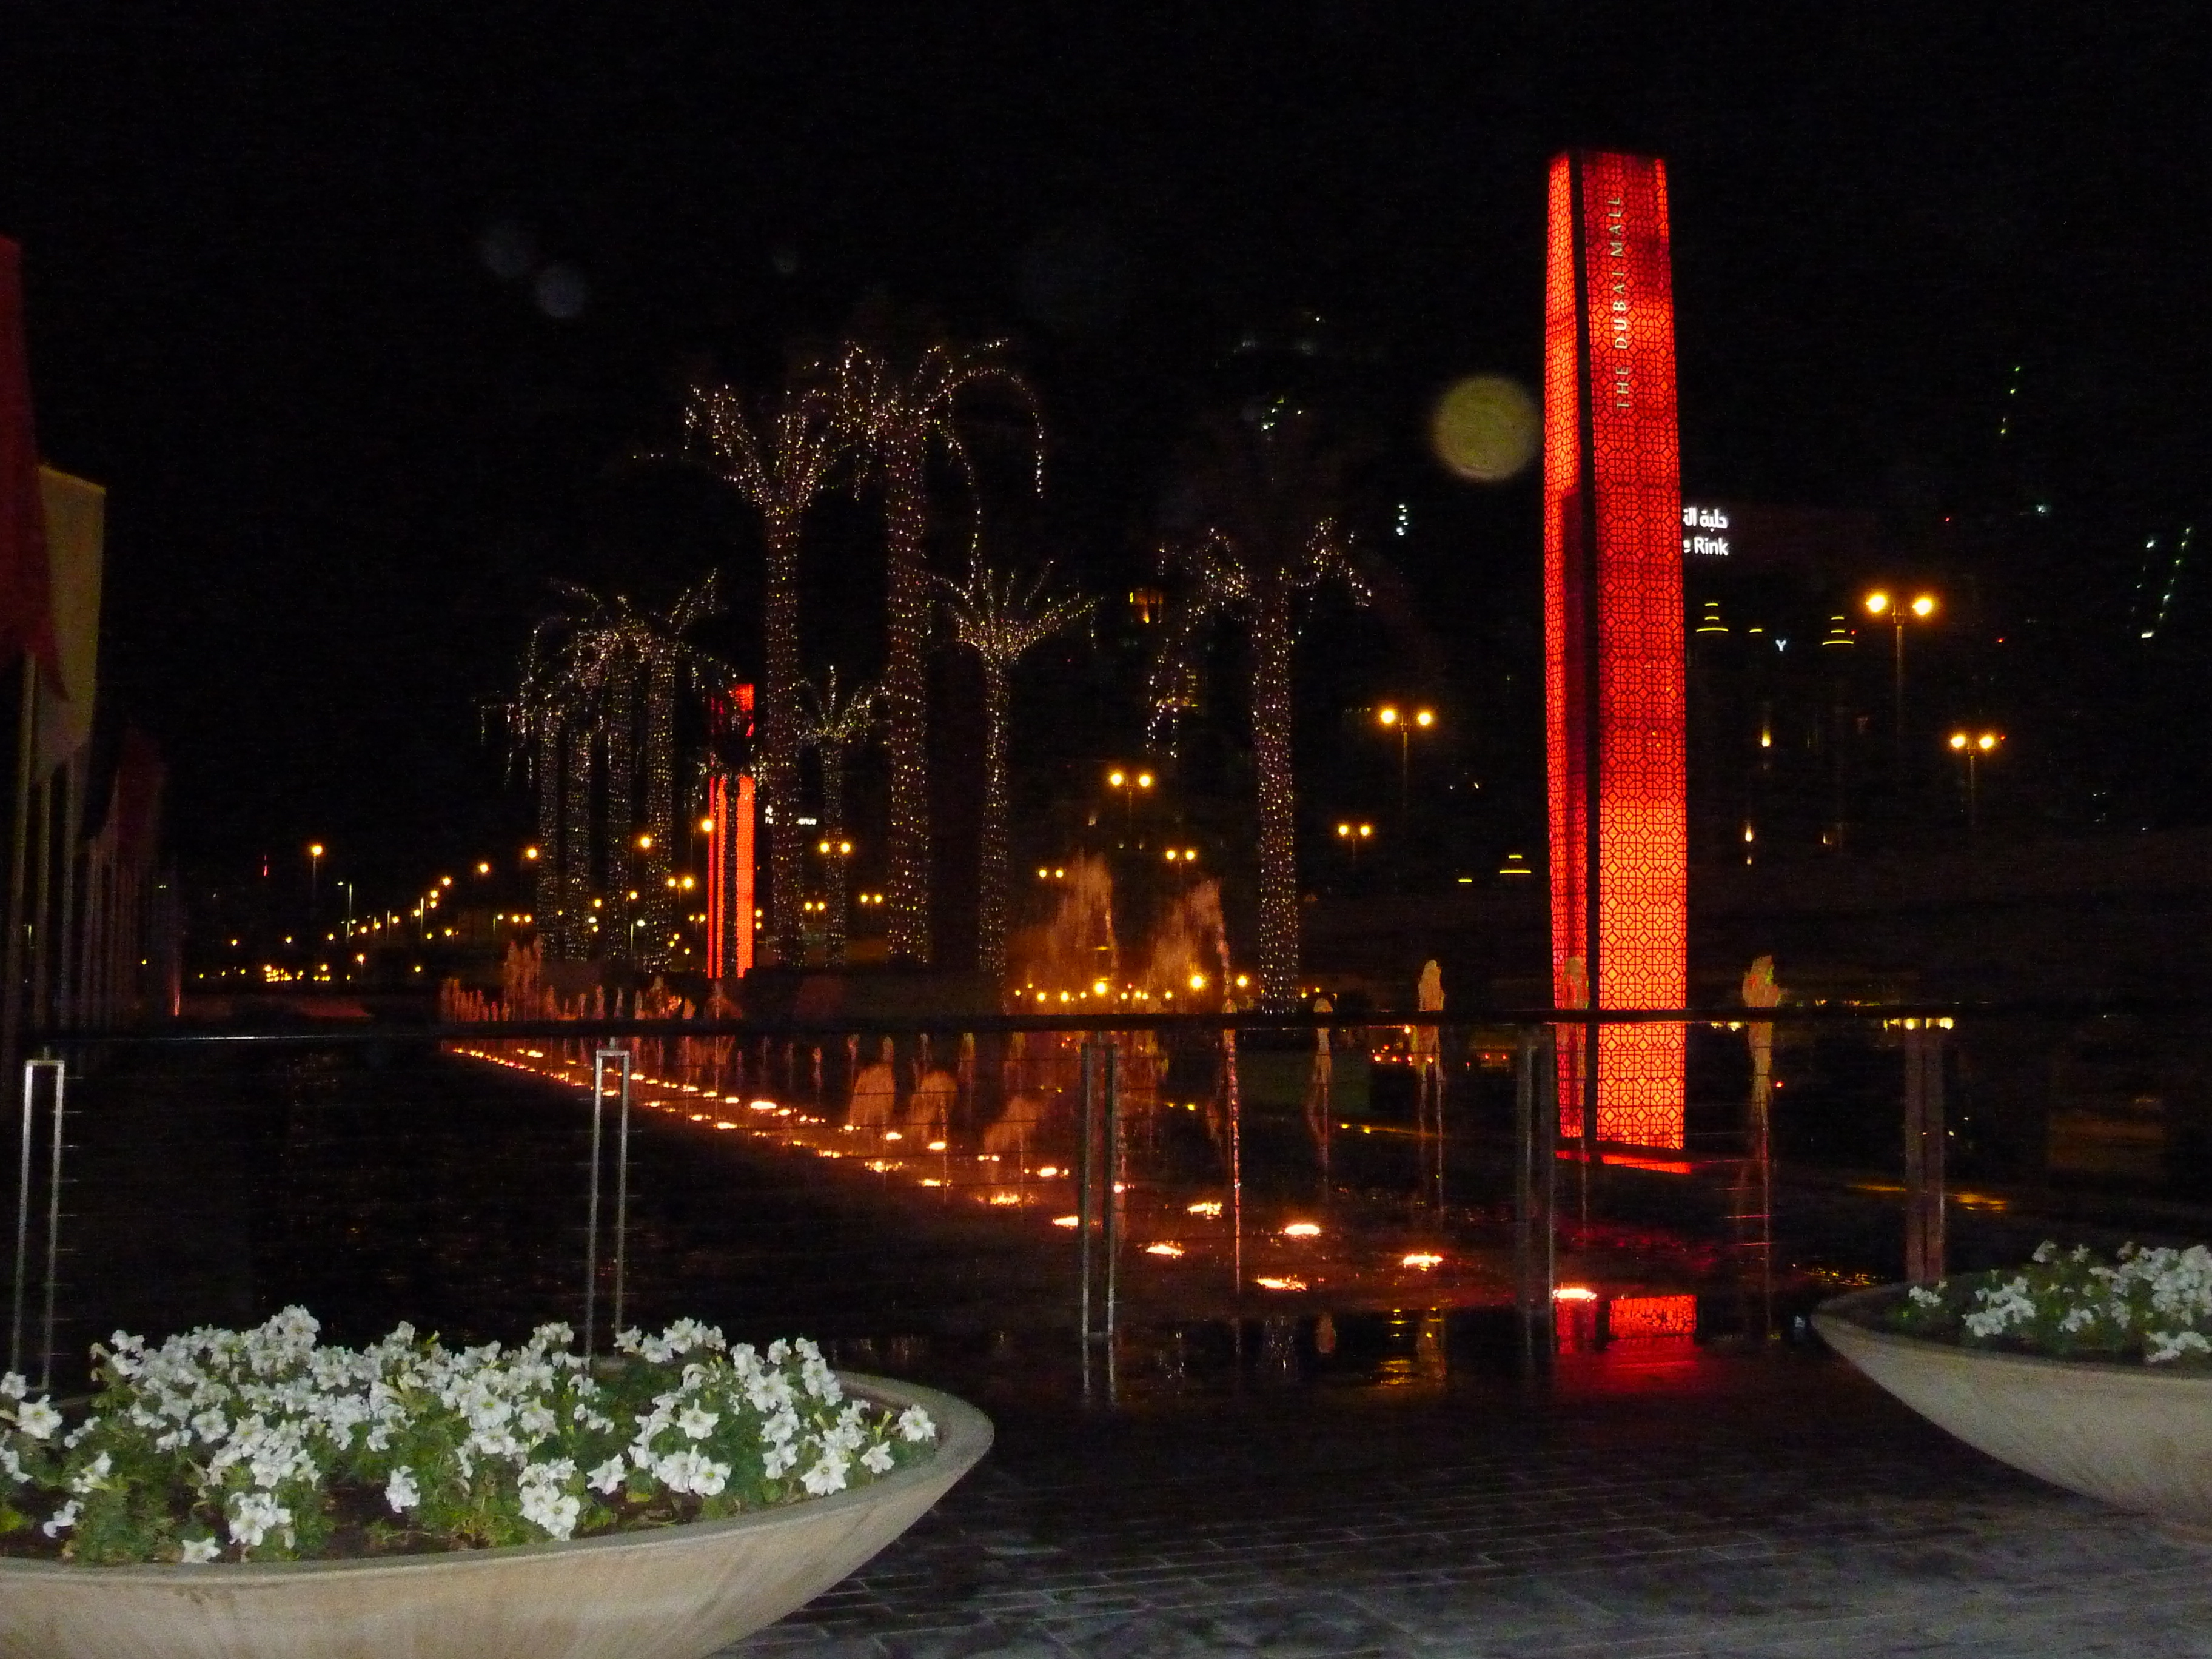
378	1183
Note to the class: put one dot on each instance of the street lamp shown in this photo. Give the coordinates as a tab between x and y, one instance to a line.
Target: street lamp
1881	603
1974	745
1404	722
1131	785
1353	835
315	868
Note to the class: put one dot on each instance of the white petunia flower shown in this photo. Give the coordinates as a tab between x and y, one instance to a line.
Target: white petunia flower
401	1491
828	1475
92	1476
878	1458
254	1516
608	1475
916	1424
198	1552
696	1422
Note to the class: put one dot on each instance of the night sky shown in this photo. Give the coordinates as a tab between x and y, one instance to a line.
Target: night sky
363	312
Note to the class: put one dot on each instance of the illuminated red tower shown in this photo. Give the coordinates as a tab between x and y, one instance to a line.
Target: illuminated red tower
730	843
1612	642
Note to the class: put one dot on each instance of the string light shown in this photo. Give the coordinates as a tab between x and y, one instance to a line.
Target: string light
900	420
833	728
778	460
580	684
1269	484
620	729
1000	622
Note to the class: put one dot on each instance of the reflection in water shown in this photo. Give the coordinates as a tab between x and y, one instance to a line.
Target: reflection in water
1192	1237
1203	1177
1184	1213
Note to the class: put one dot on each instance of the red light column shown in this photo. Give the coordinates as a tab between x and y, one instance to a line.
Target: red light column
1613	637
730	808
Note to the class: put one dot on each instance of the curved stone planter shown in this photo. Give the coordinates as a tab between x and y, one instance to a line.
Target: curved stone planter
2136	1436
674	1593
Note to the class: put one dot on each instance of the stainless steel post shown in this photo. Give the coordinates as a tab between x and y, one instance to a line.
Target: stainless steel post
1536	1124
599	1058
1236	1169
622	1195
1524	1181
1111	1232
1924	1242
22	1225
53	1219
1085	1178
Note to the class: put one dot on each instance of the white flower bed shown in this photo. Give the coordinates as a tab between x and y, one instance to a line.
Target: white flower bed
234	1445
2153	1305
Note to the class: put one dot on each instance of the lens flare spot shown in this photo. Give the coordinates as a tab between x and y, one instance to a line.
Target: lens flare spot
1485	429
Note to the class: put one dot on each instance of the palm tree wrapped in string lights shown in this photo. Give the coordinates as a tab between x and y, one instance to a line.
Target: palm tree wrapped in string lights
903	416
778	459
832	726
537	720
1263	532
994	616
593	660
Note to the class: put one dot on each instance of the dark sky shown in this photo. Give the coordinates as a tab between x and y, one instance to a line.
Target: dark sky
345	456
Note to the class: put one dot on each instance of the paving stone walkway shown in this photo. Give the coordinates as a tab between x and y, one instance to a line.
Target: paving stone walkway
1670	1502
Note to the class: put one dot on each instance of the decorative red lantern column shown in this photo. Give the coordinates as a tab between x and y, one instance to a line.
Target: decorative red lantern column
1613	639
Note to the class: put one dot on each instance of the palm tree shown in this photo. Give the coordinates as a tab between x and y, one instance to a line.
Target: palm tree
1000	621
1263	532
536	720
602	652
903	418
833	728
777	458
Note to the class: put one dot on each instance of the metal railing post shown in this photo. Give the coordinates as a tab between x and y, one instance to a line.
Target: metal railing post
1235	1107
31	1070
1536	1112
1111	1232
22	1225
622	1197
599	1059
1084	1180
1925	1243
1589	1091
53	1218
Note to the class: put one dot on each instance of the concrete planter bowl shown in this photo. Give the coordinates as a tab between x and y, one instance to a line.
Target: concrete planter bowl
673	1593
2138	1437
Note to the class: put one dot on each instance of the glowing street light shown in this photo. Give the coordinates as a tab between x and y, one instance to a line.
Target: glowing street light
314	868
1405	723
1974	745
1881	603
1130	785
1354	835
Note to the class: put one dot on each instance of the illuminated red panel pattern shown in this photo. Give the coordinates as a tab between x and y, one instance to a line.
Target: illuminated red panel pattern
730	848
1610	475
1630	1316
